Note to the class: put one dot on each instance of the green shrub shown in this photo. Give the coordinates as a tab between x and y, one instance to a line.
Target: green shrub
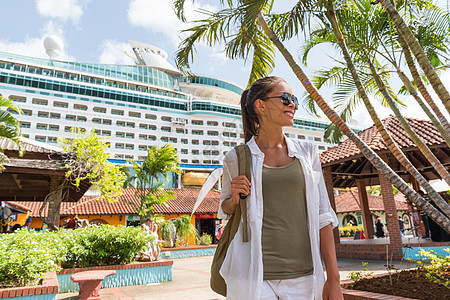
25	257
103	245
205	239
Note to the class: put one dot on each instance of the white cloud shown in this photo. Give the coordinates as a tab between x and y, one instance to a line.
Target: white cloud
34	46
113	52
62	10
158	16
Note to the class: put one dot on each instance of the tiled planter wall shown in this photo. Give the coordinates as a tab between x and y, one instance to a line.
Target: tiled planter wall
46	291
171	253
136	273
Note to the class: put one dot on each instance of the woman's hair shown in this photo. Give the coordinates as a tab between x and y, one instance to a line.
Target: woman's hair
259	89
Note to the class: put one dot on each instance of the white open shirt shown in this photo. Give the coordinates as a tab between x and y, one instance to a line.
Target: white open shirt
242	268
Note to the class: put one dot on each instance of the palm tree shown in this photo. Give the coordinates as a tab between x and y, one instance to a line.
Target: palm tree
418	52
184	228
9	126
146	179
358	19
218	27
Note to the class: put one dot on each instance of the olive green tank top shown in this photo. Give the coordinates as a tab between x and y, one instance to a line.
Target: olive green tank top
286	246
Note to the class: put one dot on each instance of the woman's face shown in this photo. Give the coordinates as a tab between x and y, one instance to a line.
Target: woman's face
273	112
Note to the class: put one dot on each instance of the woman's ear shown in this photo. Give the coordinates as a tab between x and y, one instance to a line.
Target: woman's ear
260	105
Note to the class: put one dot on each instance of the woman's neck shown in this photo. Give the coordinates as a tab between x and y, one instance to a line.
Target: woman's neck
270	138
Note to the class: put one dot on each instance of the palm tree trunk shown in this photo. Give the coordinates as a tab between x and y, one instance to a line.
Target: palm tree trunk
392	146
412	91
421	87
418	52
411	133
441	203
374	159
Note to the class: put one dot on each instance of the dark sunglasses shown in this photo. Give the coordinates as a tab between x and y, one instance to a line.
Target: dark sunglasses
286	98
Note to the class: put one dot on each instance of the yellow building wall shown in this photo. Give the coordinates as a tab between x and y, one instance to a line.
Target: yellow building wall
114	220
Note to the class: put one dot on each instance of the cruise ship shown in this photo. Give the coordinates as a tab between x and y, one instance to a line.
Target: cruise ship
134	107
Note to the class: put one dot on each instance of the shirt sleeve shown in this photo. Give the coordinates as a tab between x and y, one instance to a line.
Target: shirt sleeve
229	172
326	212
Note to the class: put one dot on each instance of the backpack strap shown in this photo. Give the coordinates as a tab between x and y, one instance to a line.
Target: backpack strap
244	167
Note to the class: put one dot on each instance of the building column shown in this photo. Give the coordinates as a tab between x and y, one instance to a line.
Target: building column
54	203
328	177
365	210
390	210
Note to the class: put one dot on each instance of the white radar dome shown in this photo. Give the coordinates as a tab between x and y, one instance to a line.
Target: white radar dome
53	46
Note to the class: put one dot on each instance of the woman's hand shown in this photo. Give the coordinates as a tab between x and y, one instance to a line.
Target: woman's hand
332	290
239	185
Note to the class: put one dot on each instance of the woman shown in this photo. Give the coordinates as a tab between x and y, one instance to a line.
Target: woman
290	219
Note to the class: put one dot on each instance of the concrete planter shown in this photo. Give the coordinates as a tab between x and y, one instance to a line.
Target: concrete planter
135	273
46	291
188	251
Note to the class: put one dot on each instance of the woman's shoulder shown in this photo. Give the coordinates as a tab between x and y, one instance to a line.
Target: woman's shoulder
303	146
230	157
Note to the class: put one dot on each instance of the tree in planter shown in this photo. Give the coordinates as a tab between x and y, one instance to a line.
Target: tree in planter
146	179
184	228
9	126
167	232
85	158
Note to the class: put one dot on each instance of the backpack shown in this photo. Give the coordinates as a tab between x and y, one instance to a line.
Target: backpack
217	283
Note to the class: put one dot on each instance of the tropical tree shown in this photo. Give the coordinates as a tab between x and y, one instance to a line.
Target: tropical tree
167	231
366	29
246	38
85	157
147	179
415	47
9	126
184	228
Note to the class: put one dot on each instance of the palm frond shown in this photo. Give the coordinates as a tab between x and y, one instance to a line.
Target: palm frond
215	29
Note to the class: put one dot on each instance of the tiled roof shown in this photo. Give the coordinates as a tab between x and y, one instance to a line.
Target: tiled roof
349	201
29	146
19	205
88	205
346	149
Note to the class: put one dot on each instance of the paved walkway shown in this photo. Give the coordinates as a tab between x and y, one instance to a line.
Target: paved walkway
191	281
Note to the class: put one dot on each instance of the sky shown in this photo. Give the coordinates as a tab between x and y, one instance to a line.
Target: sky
97	31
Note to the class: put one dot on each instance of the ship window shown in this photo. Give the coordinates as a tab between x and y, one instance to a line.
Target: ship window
43	114
60	104
40	101
80	107
41	126
117	112
134	114
18	98
149	116
100	110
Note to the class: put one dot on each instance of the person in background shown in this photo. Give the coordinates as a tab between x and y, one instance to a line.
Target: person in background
379	228
424	217
27	224
290	219
401	224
